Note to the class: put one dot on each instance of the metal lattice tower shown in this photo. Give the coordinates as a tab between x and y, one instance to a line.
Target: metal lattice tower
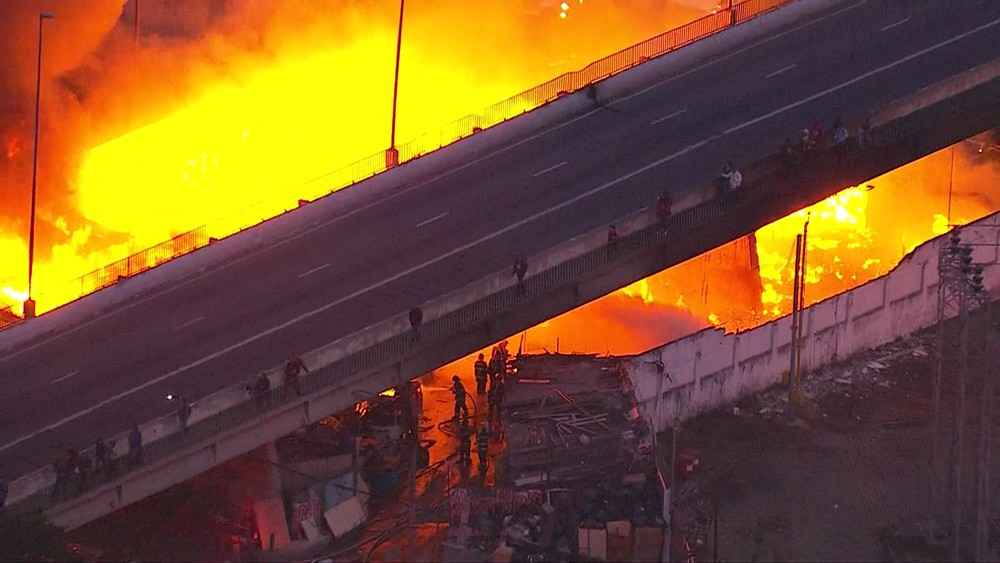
962	294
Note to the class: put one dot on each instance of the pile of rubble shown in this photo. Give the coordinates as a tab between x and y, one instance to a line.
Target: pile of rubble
846	382
578	447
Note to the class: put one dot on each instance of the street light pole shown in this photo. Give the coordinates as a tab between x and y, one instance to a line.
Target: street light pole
951	183
392	155
29	305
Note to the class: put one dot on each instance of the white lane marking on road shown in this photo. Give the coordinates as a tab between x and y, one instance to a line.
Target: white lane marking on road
666	117
452	171
782	70
864	76
449	254
897	24
549	169
186	324
737	52
432	219
65	377
313	271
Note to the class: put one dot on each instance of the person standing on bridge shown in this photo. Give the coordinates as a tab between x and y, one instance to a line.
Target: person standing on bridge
62	475
100	456
110	460
481	370
293	369
262	391
84	467
865	132
459	390
735	177
805	143
612	241
520	270
725	177
789	158
817	135
135	446
73	468
184	408
840	138
416	319
664	207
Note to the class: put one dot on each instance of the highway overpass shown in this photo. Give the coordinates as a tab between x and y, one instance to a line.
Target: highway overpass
338	289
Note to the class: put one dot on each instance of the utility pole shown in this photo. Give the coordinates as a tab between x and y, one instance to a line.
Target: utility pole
985	429
949	290
958	444
793	345
668	543
951	182
29	304
802	304
932	481
135	22
392	155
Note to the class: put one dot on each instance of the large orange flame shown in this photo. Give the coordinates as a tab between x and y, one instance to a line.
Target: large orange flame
254	113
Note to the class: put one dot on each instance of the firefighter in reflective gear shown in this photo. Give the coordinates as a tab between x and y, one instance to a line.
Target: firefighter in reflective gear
483	444
495	406
481	371
459	390
504	356
495	368
464	443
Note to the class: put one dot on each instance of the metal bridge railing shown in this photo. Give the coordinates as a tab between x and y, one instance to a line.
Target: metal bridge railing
8	318
430	141
143	260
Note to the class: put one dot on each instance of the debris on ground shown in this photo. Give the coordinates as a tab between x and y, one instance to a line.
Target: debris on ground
577	478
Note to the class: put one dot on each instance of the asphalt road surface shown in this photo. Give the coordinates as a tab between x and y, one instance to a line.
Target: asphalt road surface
419	243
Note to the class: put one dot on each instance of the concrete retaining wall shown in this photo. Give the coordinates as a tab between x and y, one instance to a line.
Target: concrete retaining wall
711	368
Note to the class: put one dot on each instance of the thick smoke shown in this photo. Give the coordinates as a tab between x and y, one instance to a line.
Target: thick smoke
79	26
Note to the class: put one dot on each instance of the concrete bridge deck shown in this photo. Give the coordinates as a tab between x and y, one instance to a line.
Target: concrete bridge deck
433	238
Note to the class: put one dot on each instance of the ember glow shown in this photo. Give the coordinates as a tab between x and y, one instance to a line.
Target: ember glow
230	112
864	231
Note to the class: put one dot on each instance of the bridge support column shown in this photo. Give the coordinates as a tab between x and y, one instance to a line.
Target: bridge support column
269	506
